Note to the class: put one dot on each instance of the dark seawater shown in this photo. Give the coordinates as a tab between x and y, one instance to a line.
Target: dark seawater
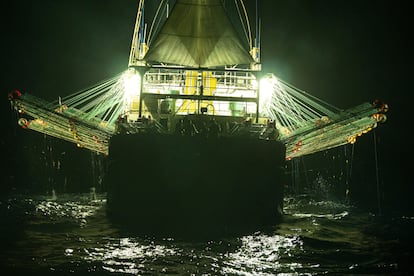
71	235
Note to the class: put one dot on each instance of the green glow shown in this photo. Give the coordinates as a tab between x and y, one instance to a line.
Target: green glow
306	124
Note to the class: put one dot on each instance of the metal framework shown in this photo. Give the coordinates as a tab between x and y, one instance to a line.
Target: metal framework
305	124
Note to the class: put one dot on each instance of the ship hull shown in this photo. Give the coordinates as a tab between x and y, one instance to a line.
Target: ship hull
179	185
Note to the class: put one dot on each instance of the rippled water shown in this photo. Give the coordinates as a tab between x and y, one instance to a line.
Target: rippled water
70	234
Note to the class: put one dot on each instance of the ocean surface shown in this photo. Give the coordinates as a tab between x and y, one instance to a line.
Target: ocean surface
69	234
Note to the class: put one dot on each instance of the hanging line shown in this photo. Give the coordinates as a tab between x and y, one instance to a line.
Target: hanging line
376	174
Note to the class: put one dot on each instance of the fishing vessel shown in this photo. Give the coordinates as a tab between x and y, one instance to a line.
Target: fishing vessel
192	150
196	135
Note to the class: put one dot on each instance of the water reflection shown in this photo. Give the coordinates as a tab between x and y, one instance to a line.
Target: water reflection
262	254
127	255
71	234
75	210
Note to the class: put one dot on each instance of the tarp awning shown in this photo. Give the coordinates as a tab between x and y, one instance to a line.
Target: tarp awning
198	34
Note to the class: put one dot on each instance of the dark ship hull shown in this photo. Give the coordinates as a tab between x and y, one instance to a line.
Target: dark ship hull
168	184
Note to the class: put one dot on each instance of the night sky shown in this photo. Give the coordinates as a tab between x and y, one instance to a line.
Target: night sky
345	52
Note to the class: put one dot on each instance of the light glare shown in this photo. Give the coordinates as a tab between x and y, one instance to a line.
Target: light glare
132	83
266	93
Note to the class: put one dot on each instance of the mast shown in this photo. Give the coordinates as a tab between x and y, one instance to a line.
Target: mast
138	45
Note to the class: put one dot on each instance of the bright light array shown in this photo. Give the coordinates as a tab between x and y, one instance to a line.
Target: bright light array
132	83
266	93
